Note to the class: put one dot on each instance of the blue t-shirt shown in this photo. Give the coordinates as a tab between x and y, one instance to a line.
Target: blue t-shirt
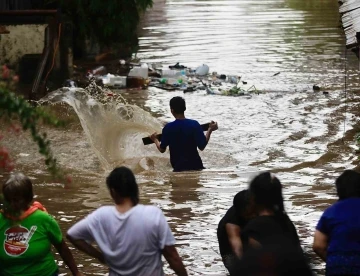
184	137
341	223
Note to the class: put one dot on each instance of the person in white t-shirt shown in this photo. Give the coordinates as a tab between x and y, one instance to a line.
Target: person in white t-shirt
131	236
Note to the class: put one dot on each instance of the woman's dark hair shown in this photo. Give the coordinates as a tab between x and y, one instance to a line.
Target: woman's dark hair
18	192
266	190
348	184
122	181
178	105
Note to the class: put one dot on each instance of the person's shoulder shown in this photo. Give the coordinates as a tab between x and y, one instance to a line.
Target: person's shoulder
150	209
192	121
39	214
170	124
42	217
341	206
151	213
103	210
338	205
230	213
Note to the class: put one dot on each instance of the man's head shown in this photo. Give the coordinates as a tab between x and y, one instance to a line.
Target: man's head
242	204
348	184
122	184
177	105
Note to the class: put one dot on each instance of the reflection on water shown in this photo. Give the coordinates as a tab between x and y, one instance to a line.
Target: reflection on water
291	130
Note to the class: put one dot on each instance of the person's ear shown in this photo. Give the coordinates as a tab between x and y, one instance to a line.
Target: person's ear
112	193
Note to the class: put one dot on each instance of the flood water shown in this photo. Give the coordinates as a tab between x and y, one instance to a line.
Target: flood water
289	129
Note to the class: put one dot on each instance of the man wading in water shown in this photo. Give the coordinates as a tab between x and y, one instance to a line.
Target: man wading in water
183	136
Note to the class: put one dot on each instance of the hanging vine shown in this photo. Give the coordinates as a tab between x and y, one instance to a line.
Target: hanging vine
13	107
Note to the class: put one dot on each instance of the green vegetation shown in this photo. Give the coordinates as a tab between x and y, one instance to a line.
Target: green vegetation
239	90
15	108
107	22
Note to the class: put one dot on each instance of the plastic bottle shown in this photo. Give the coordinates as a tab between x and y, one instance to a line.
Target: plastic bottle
233	79
169	73
139	72
172	81
202	70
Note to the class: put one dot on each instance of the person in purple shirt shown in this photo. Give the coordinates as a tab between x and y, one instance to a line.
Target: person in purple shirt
183	137
337	236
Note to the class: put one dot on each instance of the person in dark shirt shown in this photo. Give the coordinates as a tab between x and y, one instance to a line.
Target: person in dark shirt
337	236
183	136
280	259
229	229
272	225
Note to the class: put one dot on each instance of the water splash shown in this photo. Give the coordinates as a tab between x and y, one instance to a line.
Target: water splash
113	127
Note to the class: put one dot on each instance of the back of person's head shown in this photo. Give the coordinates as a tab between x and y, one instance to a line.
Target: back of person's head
18	192
348	184
278	259
123	183
177	104
241	203
266	191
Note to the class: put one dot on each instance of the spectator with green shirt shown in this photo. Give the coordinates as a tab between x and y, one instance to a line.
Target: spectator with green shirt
27	232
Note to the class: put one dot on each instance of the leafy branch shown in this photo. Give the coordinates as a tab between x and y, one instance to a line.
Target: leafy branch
30	117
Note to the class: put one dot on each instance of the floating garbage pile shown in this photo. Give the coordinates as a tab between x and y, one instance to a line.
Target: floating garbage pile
179	77
174	77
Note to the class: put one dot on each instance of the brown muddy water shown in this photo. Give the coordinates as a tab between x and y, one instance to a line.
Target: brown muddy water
290	129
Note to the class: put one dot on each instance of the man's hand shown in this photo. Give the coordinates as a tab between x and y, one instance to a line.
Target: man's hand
153	136
213	126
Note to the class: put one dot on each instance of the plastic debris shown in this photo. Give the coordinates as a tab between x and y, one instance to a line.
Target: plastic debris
202	70
70	83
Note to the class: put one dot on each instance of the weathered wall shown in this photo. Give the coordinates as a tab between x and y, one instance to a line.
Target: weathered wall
22	39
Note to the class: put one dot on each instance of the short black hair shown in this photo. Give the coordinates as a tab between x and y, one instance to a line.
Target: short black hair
178	105
122	181
241	201
348	184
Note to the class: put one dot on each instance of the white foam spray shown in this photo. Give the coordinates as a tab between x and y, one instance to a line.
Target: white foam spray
113	127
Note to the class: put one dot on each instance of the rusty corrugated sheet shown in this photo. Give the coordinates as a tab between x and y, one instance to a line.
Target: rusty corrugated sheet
10	5
350	17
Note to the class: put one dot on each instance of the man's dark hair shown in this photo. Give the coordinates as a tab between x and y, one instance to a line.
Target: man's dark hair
122	181
178	105
348	184
241	201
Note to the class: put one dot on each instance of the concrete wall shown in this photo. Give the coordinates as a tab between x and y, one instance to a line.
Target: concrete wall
22	39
